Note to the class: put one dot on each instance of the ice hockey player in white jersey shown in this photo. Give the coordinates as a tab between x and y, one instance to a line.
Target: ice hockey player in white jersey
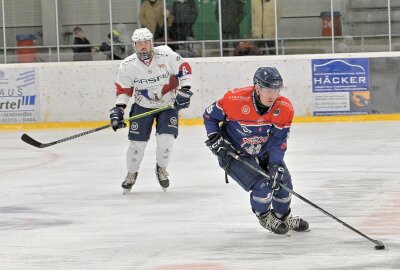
155	77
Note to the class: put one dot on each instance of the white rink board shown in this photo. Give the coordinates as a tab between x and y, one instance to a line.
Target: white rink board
84	91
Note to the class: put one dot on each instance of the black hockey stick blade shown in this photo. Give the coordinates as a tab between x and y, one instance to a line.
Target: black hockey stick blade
29	140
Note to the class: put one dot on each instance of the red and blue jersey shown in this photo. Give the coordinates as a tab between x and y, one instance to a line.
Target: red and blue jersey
237	118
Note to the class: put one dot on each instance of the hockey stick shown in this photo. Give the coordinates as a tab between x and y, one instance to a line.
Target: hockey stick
29	140
378	244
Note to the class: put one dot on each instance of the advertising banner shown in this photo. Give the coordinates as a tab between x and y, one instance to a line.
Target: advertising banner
18	96
341	86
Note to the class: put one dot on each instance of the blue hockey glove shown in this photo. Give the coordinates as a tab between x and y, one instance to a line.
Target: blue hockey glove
116	117
182	99
276	175
219	145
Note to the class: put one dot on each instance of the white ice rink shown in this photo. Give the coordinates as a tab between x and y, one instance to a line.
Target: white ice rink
62	207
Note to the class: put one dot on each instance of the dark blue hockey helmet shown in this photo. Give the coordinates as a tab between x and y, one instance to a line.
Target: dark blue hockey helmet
268	77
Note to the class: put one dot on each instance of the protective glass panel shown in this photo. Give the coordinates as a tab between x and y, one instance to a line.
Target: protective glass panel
23	31
84	25
205	30
364	26
235	23
303	27
125	18
155	16
395	24
184	28
3	51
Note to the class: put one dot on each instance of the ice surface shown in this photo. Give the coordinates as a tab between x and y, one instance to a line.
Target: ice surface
62	207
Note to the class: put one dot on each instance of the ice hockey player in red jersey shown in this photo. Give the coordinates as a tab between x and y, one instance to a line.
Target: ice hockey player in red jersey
254	122
155	77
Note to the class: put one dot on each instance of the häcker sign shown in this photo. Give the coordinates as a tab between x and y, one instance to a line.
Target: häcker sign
340	86
340	74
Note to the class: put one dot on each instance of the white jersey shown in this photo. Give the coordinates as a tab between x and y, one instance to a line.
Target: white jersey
153	83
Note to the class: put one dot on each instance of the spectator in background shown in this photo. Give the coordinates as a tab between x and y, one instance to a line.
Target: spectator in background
151	16
185	14
345	45
125	36
246	48
118	48
83	53
232	12
263	22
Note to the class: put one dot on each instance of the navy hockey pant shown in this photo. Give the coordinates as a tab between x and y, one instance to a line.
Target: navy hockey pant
261	197
140	129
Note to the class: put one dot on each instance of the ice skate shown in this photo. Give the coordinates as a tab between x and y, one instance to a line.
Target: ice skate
162	177
295	223
270	222
130	180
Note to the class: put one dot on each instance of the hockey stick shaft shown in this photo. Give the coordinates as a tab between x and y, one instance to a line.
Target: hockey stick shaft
29	140
376	242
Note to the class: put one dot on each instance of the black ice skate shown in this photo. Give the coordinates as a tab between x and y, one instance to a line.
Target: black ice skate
270	222
295	223
162	177
130	180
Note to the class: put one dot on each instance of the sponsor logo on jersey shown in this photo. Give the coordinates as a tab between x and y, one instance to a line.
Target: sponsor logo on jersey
173	121
240	132
239	98
276	112
153	79
254	140
245	129
245	109
134	126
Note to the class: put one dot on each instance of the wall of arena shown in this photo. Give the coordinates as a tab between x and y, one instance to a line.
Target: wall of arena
84	91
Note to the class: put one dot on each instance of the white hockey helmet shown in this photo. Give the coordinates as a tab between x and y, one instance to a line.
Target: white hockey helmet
143	34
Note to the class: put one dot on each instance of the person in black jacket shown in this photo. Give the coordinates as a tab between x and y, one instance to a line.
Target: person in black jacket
185	14
83	53
232	12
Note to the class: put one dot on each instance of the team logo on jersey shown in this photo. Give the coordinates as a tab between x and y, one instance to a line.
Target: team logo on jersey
253	144
134	126
245	109
173	121
276	113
